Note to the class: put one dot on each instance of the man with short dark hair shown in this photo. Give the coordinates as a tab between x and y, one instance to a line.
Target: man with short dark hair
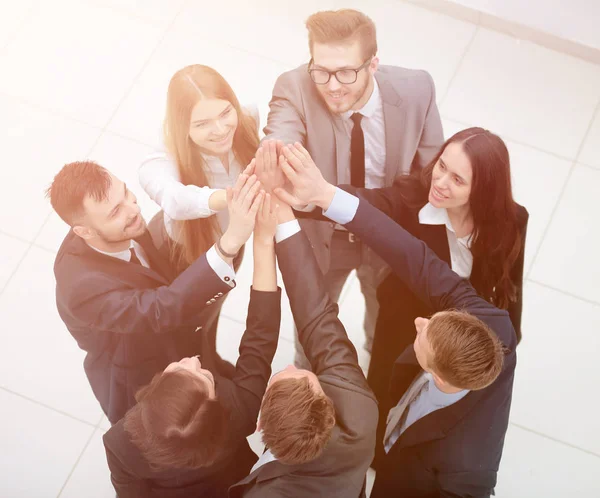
451	392
118	297
365	124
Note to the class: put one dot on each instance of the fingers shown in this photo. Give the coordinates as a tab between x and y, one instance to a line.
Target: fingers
266	206
256	204
293	160
272	154
288	170
250	168
246	201
278	147
239	184
259	164
300	148
229	195
250	182
285	197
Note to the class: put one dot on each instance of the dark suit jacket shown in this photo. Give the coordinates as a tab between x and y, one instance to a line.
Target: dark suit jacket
241	396
340	470
454	451
390	201
132	321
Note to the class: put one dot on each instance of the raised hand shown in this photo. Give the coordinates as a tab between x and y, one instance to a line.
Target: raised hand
307	183
267	168
266	221
243	202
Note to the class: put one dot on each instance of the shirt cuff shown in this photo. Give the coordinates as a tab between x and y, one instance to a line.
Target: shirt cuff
220	267
343	207
286	230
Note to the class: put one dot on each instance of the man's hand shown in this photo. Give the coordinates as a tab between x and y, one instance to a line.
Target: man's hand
243	202
267	168
266	221
307	182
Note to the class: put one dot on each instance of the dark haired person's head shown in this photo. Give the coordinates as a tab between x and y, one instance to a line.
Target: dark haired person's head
96	205
459	350
471	173
296	416
178	421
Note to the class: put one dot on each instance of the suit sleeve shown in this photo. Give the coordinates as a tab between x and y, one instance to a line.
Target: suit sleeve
257	348
285	121
103	303
126	485
515	309
430	278
432	137
320	332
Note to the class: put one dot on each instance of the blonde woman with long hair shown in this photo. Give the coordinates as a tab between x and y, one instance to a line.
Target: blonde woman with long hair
209	140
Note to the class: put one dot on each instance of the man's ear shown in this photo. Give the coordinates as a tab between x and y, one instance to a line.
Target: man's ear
374	65
84	232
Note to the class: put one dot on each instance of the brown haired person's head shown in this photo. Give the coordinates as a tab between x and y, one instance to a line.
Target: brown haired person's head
343	49
296	417
459	350
97	206
178	421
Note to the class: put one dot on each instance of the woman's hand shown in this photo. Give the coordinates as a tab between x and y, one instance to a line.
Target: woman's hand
266	221
243	202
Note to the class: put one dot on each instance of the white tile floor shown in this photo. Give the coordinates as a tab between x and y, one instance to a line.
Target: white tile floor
88	79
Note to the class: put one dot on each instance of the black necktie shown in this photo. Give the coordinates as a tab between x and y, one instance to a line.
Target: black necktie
134	259
357	153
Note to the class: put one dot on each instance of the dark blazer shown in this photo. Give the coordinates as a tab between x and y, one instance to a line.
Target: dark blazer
132	321
454	451
241	396
340	470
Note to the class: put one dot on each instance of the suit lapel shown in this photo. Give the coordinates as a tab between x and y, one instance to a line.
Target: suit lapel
394	116
436	238
157	262
438	423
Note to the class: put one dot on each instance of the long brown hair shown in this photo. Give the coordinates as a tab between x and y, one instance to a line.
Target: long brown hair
175	424
496	239
187	87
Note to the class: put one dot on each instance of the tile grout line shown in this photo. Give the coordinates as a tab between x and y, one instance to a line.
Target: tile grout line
85	447
566	293
458	66
546	436
56	410
563	190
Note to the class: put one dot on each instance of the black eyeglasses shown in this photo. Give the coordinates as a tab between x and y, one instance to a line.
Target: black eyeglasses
344	76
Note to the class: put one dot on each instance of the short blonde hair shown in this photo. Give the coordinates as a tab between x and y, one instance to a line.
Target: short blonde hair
296	421
466	352
342	26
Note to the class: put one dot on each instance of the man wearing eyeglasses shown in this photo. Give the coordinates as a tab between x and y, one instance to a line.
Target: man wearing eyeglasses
363	124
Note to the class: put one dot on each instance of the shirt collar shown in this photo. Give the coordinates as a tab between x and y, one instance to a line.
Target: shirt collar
373	104
431	215
440	398
125	254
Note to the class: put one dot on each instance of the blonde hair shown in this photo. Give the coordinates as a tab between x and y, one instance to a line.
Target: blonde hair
187	87
342	26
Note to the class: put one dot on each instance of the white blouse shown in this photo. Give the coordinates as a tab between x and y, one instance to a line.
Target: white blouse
159	177
461	257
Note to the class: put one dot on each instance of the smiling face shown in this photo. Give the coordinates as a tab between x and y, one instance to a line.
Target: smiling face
451	178
194	366
111	223
212	126
340	97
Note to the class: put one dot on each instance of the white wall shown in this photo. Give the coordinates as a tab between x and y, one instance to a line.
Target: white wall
574	20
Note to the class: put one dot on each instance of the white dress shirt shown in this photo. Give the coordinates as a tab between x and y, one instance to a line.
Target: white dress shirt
159	177
373	125
125	254
461	257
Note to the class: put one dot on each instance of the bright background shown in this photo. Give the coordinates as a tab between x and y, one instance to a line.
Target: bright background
88	79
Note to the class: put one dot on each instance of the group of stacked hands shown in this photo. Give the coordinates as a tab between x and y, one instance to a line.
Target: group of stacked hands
430	227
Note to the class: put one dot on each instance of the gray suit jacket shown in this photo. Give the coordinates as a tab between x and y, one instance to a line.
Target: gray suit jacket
413	131
341	469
